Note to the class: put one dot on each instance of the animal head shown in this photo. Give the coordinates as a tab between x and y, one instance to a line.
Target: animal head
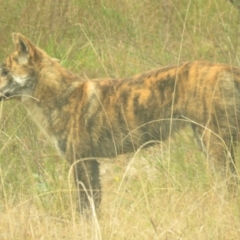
19	72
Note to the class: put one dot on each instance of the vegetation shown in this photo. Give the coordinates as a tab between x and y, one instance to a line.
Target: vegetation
164	192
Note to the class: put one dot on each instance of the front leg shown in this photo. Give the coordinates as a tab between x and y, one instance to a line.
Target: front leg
87	180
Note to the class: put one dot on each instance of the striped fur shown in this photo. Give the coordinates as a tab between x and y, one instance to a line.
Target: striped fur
107	117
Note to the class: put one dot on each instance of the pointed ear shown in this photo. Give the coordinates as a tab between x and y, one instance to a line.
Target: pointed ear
25	49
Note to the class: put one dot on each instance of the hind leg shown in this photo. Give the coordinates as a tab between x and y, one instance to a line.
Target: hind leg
219	150
87	179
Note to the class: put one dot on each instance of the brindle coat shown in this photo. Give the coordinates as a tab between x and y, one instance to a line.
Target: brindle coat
107	117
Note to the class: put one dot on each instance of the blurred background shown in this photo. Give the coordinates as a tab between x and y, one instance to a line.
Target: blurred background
107	37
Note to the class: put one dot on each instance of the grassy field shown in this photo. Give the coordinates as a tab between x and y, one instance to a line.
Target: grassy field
163	192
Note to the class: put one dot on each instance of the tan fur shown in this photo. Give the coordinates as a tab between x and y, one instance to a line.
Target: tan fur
108	117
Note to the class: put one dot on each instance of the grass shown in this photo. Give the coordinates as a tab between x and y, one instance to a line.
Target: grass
163	192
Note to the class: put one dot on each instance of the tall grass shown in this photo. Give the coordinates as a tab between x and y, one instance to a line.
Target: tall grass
143	196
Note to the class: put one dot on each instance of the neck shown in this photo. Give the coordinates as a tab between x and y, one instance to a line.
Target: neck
49	98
